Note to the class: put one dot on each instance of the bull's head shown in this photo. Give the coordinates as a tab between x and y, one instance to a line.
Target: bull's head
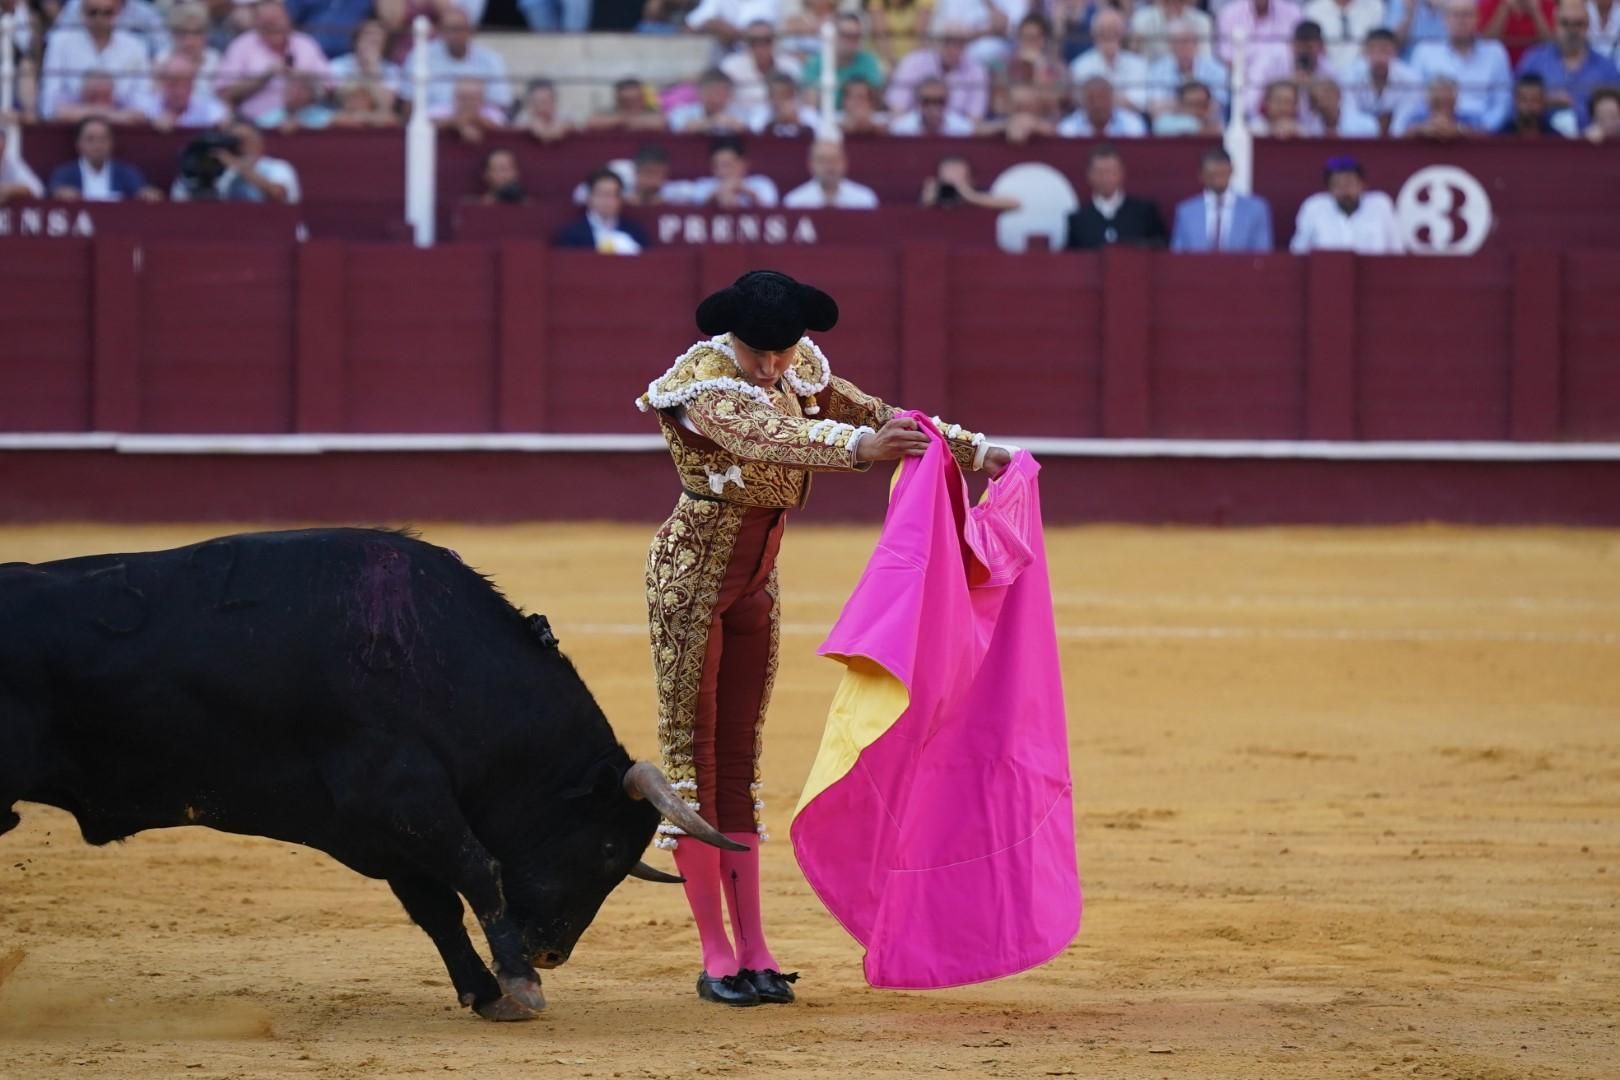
556	892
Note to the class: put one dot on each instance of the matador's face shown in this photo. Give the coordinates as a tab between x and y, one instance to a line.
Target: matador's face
763	366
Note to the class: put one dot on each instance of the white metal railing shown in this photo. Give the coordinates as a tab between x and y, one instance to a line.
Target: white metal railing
421	144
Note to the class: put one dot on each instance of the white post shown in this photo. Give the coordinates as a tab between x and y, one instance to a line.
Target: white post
1239	140
8	61
421	144
830	131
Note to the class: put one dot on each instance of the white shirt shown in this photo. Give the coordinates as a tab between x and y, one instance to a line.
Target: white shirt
95	185
1228	201
955	124
272	169
974	15
1371	230
346	70
850	196
1128	74
610	239
1150	28
137	17
70	53
1345	28
1604	36
749	88
738	13
200	111
699	192
444	71
1122	125
1401	96
760	119
1108	206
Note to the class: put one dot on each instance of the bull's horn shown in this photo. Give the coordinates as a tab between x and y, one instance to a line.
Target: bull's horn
652	873
644	780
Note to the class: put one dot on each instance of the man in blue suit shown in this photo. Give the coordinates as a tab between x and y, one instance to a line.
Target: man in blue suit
1218	218
96	176
601	228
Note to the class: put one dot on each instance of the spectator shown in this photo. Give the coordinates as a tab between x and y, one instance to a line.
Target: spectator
1194	113
253	72
138	18
366	63
1531	118
1384	86
601	228
801	25
729	185
1347	217
362	104
1030	112
1517	24
552	16
17	180
1098	115
1604	107
98	97
1186	60
1071	25
724	20
898	25
1151	23
664	16
854	61
72	52
97	176
332	23
632	110
226	19
933	114
470	113
1330	115
1279	111
1308	60
1417	21
176	100
1269	29
988	25
1478	67
952	185
967	82
1108	59
860	114
1110	216
784	115
1438	119
1605	32
248	174
188	38
1036	57
752	66
650	171
715	112
1220	219
303	109
538	116
454	56
1345	24
1568	66
829	185
503	182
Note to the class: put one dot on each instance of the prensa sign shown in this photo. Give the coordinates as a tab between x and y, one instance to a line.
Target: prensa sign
54	221
736	229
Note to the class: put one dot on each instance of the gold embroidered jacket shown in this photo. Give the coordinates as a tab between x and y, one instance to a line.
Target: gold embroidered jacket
741	443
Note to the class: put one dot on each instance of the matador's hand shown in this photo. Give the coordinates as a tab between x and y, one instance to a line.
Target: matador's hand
898	438
996	460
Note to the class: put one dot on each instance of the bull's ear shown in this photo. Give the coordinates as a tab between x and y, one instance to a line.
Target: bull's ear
602	780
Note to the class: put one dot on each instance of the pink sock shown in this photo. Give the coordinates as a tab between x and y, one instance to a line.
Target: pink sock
699	864
739	872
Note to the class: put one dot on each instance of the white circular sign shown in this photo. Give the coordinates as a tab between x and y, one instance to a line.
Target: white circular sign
1046	200
1443	210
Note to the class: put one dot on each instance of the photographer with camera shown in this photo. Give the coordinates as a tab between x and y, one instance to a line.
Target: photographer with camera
230	165
952	185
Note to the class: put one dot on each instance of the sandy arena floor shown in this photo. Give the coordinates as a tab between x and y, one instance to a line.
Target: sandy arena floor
1349	804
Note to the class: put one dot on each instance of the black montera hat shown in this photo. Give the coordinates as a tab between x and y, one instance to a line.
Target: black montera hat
767	310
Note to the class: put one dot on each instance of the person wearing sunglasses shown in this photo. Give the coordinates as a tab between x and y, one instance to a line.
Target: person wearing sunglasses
72	52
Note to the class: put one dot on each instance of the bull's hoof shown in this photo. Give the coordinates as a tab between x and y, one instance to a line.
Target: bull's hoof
526	992
506	1009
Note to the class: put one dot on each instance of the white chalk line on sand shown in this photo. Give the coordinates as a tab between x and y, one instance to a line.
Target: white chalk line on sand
1217	633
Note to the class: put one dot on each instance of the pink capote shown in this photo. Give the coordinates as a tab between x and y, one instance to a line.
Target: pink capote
945	845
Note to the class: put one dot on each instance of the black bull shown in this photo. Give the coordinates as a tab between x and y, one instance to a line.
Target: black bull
356	691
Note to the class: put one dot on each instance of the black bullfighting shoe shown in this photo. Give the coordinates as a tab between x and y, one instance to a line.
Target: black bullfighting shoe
727	989
771	986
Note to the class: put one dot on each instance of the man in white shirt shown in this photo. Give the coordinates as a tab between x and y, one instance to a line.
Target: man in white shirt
1345	25
829	185
1384	86
1109	59
1347	217
933	114
751	67
71	52
715	112
724	20
175	102
137	17
454	56
1151	26
1098	115
729	185
990	23
1187	60
785	115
